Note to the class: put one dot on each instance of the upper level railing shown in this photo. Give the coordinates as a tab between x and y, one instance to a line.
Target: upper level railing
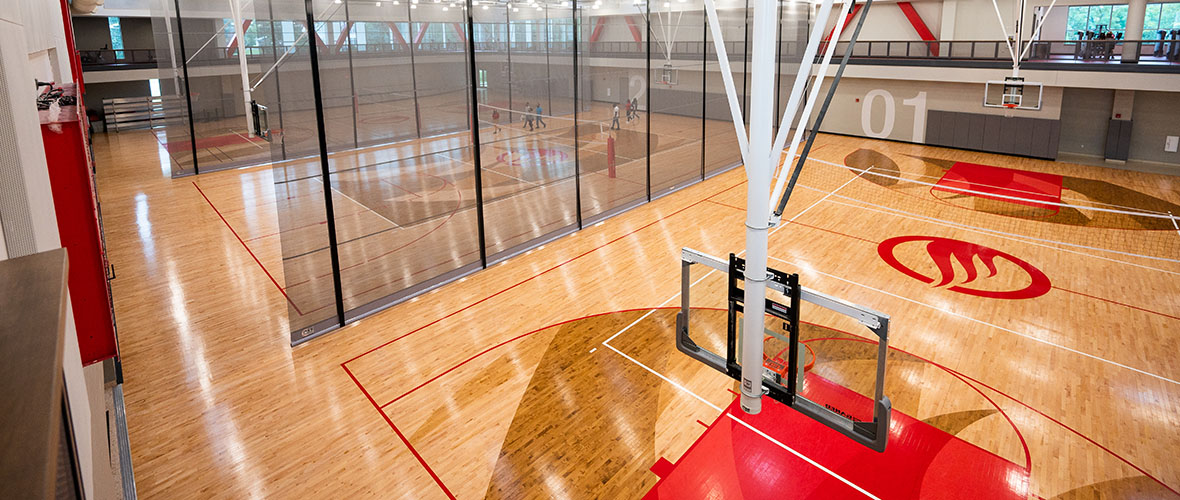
118	59
1151	52
1057	54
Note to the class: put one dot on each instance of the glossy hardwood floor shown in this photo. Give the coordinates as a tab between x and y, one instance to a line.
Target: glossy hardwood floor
501	385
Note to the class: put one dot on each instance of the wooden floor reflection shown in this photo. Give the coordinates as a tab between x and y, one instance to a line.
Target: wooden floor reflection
501	386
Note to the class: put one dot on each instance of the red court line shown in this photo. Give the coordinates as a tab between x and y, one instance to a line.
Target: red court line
856	338
271	200
806	225
1026	405
509	341
1137	308
1070	429
1023	444
720	415
943	202
726	205
530	278
1020	435
401	188
420	271
704	424
305	226
1057	287
415	240
231	229
399	434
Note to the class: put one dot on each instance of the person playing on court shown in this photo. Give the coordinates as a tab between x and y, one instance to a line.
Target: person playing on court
634	108
614	123
496	120
627	108
528	116
540	120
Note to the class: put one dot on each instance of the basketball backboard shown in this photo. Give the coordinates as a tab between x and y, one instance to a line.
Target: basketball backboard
669	75
1013	93
849	400
261	120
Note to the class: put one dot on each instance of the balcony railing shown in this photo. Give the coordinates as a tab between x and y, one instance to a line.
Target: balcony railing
1059	54
1151	52
117	59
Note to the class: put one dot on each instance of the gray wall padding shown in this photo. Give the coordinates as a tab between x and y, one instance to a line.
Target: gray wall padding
1118	140
1085	114
1156	116
1036	137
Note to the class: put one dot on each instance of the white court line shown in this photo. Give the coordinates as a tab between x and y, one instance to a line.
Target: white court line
366	207
792	451
1174	222
775	230
488	169
259	146
711	271
1014	332
1010	236
744	423
937	178
1140	213
715	407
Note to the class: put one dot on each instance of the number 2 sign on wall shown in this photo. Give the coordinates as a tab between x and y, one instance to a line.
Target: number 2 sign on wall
918	102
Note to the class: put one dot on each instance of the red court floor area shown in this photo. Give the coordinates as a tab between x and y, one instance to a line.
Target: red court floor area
731	460
1032	189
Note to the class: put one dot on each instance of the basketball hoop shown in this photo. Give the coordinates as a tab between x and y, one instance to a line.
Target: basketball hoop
1010	109
670	75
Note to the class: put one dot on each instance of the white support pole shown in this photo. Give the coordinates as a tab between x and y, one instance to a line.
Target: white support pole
1037	33
291	50
240	34
758	175
800	86
813	42
1136	11
172	52
219	32
1007	42
735	108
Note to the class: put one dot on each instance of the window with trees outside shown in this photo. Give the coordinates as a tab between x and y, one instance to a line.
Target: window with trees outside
1083	18
1159	16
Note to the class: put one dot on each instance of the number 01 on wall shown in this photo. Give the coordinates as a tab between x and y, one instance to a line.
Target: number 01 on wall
869	105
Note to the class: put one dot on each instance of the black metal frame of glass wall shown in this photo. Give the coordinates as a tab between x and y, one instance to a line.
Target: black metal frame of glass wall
556	60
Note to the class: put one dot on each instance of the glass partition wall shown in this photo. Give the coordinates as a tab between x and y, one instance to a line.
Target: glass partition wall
412	142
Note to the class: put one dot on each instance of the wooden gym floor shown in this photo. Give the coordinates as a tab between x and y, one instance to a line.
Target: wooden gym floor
1061	361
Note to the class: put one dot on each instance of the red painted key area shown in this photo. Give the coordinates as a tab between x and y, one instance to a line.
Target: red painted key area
732	461
1032	189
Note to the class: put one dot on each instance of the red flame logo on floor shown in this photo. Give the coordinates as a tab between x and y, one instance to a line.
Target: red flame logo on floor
945	252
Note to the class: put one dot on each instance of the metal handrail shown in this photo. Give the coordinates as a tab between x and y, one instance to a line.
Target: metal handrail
1151	51
119	57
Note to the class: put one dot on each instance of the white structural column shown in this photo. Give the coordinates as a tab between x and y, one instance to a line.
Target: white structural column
1136	11
946	30
235	7
758	176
